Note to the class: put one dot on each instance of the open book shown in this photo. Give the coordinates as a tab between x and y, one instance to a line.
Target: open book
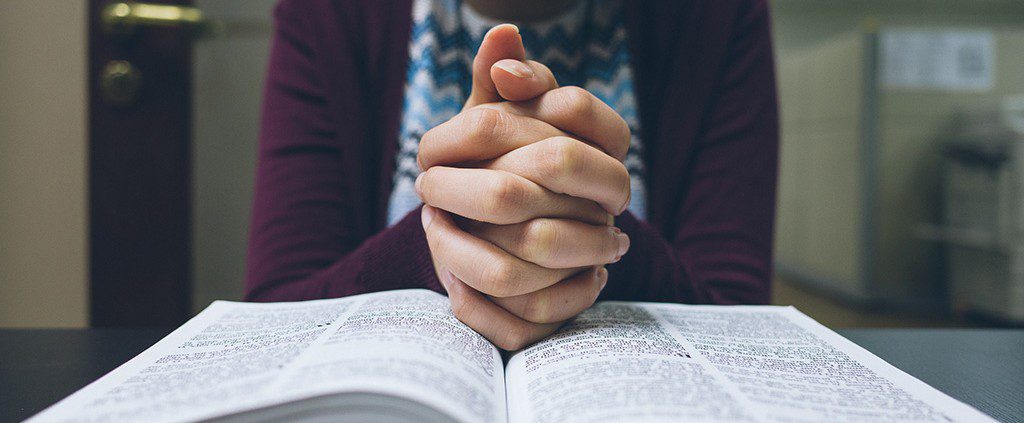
402	356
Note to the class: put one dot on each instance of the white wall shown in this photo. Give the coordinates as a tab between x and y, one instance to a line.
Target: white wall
43	202
227	90
799	24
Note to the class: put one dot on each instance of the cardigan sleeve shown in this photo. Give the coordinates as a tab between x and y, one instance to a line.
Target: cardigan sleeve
719	249
303	243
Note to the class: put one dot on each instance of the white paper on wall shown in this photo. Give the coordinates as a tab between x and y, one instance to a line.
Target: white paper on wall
954	60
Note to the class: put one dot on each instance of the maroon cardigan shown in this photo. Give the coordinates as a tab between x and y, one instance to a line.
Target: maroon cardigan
706	91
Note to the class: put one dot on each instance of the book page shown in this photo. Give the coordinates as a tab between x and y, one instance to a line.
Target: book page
669	362
235	357
791	368
409	344
617	362
219	362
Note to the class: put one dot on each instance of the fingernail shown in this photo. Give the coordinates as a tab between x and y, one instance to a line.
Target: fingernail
624	242
419	178
602	274
426	216
516	28
515	67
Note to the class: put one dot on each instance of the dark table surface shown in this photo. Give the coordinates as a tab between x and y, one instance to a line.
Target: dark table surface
983	368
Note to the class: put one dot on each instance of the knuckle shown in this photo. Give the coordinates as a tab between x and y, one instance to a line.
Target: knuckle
539	309
577	101
426	147
561	158
426	188
501	276
593	213
539	240
482	124
515	338
505	194
461	307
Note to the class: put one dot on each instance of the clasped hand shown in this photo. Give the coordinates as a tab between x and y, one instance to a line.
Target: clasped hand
519	194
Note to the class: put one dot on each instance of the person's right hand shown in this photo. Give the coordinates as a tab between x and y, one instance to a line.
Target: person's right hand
530	204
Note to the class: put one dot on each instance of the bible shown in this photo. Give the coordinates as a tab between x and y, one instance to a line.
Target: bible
403	356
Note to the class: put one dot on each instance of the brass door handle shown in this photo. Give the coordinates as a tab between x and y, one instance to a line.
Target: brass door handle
124	17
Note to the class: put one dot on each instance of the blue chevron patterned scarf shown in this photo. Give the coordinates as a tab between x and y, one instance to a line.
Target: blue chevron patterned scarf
585	46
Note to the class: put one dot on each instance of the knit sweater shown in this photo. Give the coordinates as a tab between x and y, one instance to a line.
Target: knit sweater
705	91
584	46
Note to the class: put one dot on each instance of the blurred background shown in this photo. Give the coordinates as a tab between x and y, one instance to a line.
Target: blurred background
128	140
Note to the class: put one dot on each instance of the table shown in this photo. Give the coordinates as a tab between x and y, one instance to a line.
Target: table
984	368
981	367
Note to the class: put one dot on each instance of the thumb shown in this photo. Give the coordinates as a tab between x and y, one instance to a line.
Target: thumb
522	80
501	42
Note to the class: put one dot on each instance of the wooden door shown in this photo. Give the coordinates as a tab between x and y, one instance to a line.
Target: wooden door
139	167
